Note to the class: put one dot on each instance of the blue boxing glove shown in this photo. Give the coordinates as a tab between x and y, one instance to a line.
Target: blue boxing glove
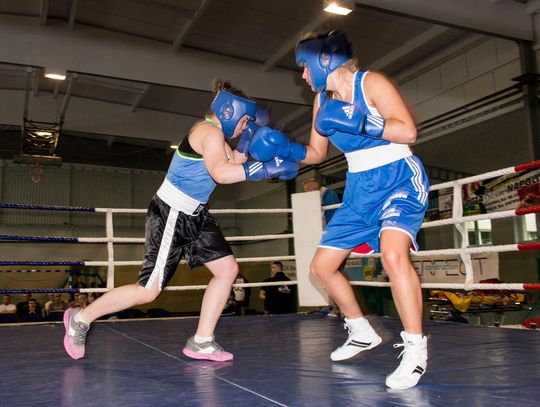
276	169
261	119
245	137
336	115
268	143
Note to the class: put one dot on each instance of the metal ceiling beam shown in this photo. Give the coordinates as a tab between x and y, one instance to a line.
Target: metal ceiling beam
73	13
139	59
532	6
507	19
186	29
37	76
72	77
29	72
43	12
409	47
291	43
138	98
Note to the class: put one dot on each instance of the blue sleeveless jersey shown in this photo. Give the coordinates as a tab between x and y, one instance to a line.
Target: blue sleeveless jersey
343	141
189	175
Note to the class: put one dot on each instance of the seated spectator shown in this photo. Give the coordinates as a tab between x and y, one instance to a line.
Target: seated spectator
82	300
7	308
239	298
32	313
22	306
47	304
56	307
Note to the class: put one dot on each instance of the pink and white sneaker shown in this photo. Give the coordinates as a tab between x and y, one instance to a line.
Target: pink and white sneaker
208	351
75	337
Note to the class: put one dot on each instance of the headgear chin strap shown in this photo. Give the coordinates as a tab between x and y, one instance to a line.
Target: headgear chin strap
230	108
323	55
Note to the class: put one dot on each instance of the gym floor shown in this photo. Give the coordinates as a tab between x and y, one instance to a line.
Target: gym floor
279	360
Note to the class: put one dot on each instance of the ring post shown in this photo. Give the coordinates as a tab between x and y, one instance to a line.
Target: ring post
307	226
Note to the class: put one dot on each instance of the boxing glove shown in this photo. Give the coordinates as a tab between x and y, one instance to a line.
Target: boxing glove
276	169
245	137
336	115
268	143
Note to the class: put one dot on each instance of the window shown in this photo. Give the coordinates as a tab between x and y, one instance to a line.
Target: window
479	232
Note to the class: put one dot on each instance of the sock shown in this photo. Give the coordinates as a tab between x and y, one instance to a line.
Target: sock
357	322
414	338
203	339
79	318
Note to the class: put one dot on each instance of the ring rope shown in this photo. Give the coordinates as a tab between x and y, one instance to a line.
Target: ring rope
464	252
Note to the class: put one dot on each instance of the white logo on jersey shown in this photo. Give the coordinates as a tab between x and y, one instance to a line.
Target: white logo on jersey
348	110
278	161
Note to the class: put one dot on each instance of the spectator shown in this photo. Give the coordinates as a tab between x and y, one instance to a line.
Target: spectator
278	299
22	306
7	307
57	305
239	298
33	312
48	304
82	300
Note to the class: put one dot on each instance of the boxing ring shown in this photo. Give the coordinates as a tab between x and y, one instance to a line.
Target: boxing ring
279	359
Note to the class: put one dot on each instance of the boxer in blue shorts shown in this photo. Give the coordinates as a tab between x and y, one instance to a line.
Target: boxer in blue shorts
363	115
179	225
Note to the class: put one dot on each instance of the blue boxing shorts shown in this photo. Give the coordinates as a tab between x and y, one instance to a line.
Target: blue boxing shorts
392	196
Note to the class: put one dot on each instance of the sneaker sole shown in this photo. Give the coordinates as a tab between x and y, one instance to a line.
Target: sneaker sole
373	344
220	357
66	338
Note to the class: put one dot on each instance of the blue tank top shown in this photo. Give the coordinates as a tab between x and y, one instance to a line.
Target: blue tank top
345	142
188	173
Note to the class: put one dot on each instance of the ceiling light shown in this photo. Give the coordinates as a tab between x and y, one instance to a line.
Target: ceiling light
55	73
342	7
174	146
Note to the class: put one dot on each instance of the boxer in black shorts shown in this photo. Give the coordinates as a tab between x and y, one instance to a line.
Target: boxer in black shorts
179	225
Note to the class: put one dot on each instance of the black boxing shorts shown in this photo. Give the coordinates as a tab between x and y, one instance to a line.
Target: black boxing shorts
171	235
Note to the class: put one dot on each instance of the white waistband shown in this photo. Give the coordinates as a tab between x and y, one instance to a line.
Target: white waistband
177	199
363	160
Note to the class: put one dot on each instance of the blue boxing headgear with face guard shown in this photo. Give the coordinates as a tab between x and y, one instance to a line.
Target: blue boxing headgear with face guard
230	108
323	55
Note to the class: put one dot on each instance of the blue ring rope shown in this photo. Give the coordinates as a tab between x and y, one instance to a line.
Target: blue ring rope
41	263
48	207
38	290
39	239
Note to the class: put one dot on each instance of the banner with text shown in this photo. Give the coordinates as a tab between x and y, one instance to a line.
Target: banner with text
450	269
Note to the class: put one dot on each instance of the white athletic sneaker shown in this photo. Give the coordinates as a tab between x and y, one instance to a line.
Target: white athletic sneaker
413	364
361	337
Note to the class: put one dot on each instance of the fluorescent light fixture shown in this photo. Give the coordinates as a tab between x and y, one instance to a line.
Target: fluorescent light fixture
43	133
339	7
55	73
174	146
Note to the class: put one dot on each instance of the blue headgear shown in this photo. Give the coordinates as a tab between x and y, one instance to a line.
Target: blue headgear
230	108
323	55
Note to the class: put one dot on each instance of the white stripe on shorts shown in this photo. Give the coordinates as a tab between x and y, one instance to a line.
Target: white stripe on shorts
164	248
417	180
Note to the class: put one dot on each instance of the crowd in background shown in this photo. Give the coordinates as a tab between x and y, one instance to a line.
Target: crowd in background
31	309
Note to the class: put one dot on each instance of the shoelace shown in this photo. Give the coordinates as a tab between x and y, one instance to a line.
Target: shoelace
408	357
80	333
